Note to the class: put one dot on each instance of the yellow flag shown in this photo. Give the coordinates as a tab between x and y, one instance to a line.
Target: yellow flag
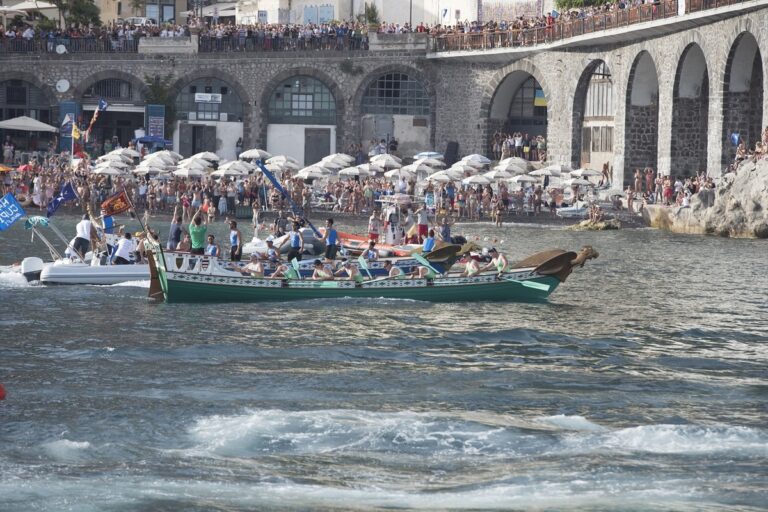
75	132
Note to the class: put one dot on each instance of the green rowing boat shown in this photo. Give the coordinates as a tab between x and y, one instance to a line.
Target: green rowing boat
192	278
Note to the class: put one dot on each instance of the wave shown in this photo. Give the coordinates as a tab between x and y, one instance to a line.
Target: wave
137	284
13	279
64	450
275	431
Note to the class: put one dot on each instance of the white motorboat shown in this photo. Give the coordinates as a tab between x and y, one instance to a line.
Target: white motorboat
579	210
312	245
74	269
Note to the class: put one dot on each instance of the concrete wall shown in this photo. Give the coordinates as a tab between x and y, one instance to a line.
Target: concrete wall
288	139
226	137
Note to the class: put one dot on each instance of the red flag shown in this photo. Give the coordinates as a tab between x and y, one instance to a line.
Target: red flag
115	204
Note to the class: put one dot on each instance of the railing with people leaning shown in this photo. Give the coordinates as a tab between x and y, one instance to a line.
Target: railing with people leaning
64	45
263	43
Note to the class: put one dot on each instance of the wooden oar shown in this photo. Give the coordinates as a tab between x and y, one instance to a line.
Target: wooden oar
364	265
295	265
529	284
421	259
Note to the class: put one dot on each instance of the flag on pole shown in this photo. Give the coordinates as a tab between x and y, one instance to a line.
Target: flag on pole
115	204
75	132
67	193
66	124
10	211
103	105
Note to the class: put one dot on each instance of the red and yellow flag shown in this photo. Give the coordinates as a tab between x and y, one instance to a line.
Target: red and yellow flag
115	204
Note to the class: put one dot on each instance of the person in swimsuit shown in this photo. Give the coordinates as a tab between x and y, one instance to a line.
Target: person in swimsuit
471	267
498	262
393	271
352	272
321	273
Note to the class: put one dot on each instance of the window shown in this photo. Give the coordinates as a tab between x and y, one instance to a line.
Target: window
529	106
599	102
16	95
111	88
396	93
302	100
230	104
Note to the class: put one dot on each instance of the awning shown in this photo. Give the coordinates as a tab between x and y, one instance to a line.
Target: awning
224	9
116	107
27	124
32	5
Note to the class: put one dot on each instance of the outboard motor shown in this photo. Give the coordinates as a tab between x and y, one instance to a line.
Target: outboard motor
31	268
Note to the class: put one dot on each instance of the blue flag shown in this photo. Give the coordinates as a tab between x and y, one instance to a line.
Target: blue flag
10	211
109	224
103	104
67	193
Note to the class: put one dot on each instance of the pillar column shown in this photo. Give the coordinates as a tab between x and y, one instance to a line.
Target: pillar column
666	108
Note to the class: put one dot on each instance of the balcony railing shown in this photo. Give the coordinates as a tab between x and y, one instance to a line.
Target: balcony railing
557	31
64	45
234	43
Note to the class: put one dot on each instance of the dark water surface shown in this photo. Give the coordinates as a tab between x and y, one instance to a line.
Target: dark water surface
641	385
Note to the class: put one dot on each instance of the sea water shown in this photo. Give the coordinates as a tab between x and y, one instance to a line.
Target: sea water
640	385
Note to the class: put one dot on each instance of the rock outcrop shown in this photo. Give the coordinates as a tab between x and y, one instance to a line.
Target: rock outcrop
737	208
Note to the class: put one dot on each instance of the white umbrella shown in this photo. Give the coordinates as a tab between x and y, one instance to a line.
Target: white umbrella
430	162
476	180
130	153
464	167
312	172
280	159
498	174
27	124
193	163
112	163
454	173
239	166
168	153
354	171
255	154
544	172
428	154
558	168
226	172
523	178
580	173
477	158
440	177
153	164
386	161
371	168
331	165
160	157
415	168
189	173
115	157
339	158
152	171
206	155
511	168
400	173
522	162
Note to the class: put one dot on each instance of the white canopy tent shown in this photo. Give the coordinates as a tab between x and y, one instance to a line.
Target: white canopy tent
27	124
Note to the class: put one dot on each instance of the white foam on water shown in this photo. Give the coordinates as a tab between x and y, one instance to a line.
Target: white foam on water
13	280
64	450
673	439
137	284
564	422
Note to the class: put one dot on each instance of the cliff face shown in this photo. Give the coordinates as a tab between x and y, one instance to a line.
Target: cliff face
737	208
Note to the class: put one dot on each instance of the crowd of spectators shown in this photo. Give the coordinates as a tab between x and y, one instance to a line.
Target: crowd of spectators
336	35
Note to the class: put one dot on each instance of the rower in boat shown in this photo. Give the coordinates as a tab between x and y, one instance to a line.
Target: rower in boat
471	267
253	268
371	254
351	271
393	271
423	272
321	273
498	262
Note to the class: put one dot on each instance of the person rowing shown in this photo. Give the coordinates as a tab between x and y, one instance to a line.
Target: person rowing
498	262
253	268
471	268
393	271
352	272
321	273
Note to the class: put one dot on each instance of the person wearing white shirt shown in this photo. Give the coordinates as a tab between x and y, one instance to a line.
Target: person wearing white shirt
28	34
123	251
84	232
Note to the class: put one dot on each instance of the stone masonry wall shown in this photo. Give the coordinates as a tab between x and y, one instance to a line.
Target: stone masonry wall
642	133
689	136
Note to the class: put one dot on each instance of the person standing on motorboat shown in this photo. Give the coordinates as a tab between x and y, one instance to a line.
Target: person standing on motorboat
296	240
85	232
124	250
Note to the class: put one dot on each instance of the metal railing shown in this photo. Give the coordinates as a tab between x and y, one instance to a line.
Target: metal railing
557	31
703	5
64	45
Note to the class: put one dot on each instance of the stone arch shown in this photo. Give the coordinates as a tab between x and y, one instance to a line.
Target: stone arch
503	91
690	113
23	94
81	88
418	75
641	131
593	98
32	79
233	82
742	95
312	72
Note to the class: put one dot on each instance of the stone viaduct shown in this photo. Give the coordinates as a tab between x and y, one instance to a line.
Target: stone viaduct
680	87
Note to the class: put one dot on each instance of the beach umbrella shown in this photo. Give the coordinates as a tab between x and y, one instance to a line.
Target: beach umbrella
522	162
280	159
149	171
113	163
193	163
340	158
153	164
455	173
355	171
581	173
416	168
440	177
430	162
477	158
371	168
167	153
130	153
189	172
239	166
220	173
476	180
386	161
158	157
498	174
558	168
312	172
464	167
512	168
428	154
255	154
576	181
331	165
115	157
544	172
206	155
523	178
400	173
